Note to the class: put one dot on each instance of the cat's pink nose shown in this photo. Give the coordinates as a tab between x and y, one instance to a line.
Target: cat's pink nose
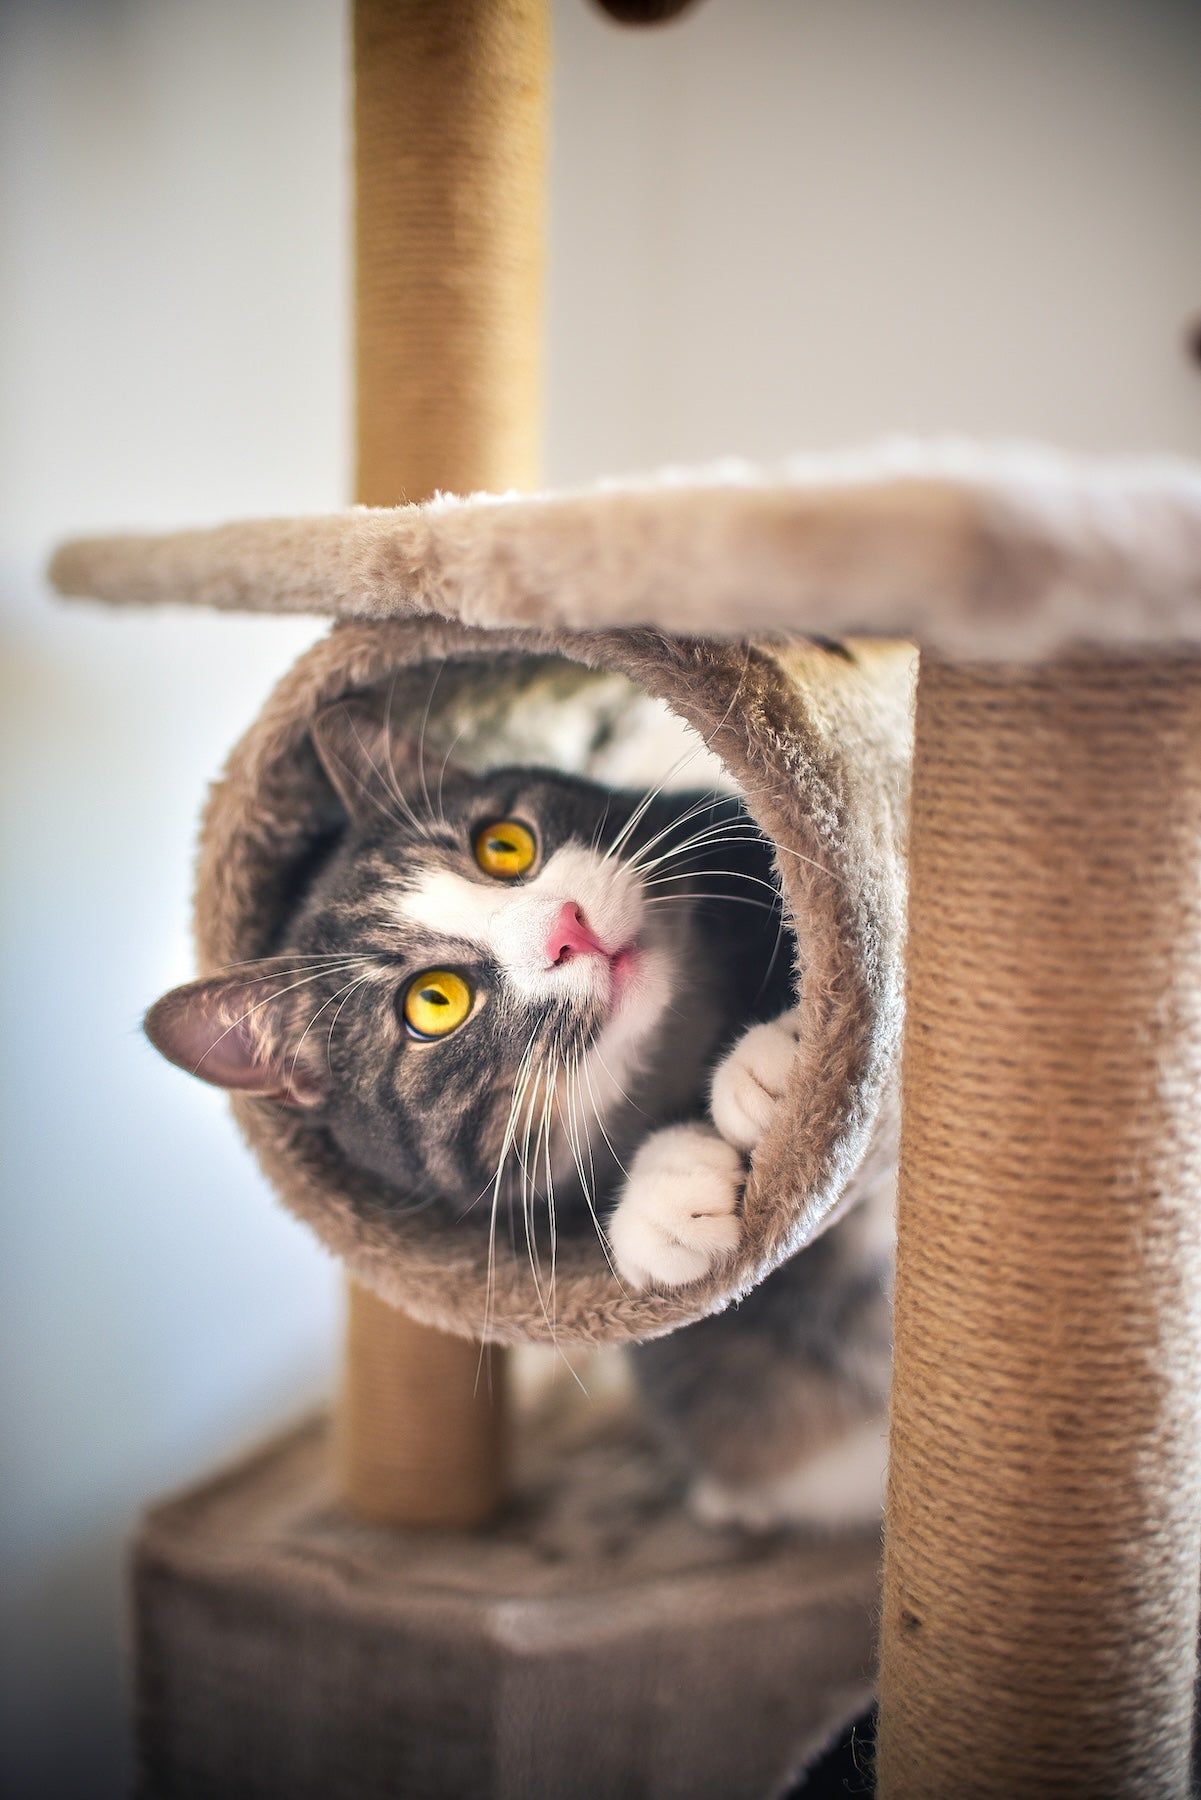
572	936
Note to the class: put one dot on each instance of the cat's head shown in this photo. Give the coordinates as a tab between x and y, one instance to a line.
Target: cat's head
476	950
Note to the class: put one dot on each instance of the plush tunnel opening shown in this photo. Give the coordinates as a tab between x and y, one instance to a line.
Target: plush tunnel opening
515	710
631	711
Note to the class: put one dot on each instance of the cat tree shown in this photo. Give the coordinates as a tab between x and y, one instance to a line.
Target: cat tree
1043	1547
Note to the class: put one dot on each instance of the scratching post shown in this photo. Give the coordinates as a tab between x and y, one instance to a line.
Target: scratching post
1043	1547
421	1437
1042	1561
450	151
450	128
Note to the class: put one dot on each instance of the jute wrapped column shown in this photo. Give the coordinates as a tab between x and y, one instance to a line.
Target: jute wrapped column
1044	1534
450	131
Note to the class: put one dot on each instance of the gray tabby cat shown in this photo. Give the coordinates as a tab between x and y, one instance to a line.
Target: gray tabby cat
525	998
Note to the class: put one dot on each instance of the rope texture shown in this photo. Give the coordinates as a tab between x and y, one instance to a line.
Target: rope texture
450	132
1044	1536
421	1427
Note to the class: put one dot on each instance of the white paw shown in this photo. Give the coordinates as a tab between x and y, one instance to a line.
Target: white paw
721	1506
842	1488
749	1083
678	1211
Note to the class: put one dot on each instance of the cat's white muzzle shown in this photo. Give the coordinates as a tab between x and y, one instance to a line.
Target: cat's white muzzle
516	927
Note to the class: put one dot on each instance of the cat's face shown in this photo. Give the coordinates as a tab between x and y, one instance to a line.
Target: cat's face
474	977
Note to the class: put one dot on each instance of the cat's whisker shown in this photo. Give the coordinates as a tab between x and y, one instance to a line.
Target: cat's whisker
454	744
530	1084
739	828
570	1125
528	1179
600	828
688	899
582	1121
681	763
589	1187
708	803
548	1104
529	1188
530	1192
258	1006
297	956
347	988
719	831
425	720
735	831
799	856
733	807
648	799
507	1138
784	850
386	776
580	1126
329	1036
628	1098
596	1113
772	959
726	874
520	1086
389	777
332	965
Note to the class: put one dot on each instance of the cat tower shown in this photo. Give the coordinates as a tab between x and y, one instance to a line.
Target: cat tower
373	1624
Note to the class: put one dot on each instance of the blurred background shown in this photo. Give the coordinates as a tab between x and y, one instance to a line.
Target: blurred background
777	224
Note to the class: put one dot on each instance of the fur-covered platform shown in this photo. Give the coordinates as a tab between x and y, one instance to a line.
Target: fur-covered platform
593	1642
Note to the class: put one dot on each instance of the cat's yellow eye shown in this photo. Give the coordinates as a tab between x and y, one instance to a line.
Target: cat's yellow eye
436	1003
505	849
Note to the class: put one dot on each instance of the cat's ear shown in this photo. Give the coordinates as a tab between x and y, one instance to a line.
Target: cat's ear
228	1030
372	766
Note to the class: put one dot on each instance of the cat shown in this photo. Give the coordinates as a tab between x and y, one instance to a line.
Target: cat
524	998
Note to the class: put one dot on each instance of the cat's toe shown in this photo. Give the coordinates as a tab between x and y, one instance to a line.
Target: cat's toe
721	1507
678	1212
750	1082
839	1489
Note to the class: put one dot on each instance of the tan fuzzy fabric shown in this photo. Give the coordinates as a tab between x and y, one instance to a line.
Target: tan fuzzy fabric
1003	554
1009	553
819	741
593	1644
1042	1566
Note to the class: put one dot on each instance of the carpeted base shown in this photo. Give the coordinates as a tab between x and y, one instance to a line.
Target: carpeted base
593	1642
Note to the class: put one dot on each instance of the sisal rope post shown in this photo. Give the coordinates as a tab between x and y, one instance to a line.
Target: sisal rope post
450	117
423	1420
1043	1547
450	145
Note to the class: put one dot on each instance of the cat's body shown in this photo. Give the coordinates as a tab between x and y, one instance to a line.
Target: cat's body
541	1005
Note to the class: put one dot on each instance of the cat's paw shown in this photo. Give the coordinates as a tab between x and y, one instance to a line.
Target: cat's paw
749	1083
678	1211
840	1489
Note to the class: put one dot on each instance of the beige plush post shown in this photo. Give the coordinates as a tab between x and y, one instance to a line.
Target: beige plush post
1040	1610
450	105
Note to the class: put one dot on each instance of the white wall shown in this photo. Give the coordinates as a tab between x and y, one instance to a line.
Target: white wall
778	224
791	223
